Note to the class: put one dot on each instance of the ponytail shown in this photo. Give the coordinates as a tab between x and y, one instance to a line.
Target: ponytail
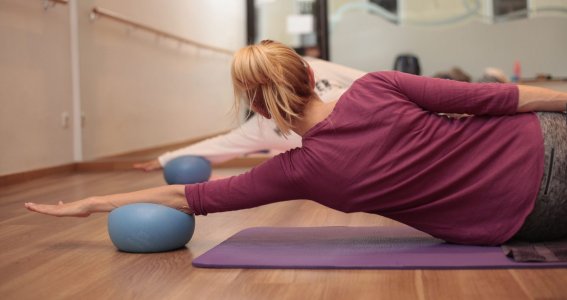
274	79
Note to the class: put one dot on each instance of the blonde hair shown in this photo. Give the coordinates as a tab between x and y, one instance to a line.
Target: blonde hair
274	79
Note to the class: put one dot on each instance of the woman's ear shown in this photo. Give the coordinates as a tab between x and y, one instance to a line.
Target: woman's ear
311	76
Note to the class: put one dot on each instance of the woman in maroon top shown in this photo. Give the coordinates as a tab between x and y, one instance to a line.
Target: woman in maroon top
382	149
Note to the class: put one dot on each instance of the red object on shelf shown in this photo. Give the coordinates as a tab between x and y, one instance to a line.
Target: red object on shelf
517	71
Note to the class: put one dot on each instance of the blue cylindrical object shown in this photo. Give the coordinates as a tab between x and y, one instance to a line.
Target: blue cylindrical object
187	170
148	227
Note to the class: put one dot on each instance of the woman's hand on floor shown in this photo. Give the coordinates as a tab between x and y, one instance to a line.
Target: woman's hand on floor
73	209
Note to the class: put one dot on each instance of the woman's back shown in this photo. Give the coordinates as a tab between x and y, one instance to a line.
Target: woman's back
382	151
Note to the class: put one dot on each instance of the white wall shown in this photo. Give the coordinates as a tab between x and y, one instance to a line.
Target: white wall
139	91
35	86
271	18
367	42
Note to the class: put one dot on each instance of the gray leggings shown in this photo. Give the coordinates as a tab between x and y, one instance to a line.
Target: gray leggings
548	220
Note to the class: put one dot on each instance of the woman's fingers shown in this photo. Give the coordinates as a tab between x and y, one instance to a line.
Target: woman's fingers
59	210
41	208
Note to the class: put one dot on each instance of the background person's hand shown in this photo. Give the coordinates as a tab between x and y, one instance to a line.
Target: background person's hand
148	165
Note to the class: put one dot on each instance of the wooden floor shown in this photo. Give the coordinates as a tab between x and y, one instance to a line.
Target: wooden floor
66	258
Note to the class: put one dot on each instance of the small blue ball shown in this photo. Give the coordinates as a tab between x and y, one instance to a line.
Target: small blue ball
187	170
148	227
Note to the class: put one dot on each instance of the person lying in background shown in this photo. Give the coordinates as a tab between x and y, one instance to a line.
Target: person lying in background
455	73
257	134
489	75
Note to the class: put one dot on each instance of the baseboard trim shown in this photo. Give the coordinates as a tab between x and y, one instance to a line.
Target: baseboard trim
156	150
35	174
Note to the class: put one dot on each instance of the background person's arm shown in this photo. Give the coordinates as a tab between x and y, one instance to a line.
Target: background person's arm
239	141
254	135
217	149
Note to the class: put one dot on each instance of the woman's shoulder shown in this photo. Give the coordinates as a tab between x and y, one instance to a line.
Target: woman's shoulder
376	80
380	75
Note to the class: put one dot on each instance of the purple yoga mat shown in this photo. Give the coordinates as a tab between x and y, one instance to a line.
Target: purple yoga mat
351	248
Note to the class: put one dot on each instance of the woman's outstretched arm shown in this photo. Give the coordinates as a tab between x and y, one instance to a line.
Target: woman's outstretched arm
169	195
540	99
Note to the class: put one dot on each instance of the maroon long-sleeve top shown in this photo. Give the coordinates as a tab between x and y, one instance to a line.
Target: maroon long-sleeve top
384	150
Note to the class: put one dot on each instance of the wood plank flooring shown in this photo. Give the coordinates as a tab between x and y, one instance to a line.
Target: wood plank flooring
44	257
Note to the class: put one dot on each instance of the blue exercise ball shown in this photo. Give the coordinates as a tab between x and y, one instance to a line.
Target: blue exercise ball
187	170
148	227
